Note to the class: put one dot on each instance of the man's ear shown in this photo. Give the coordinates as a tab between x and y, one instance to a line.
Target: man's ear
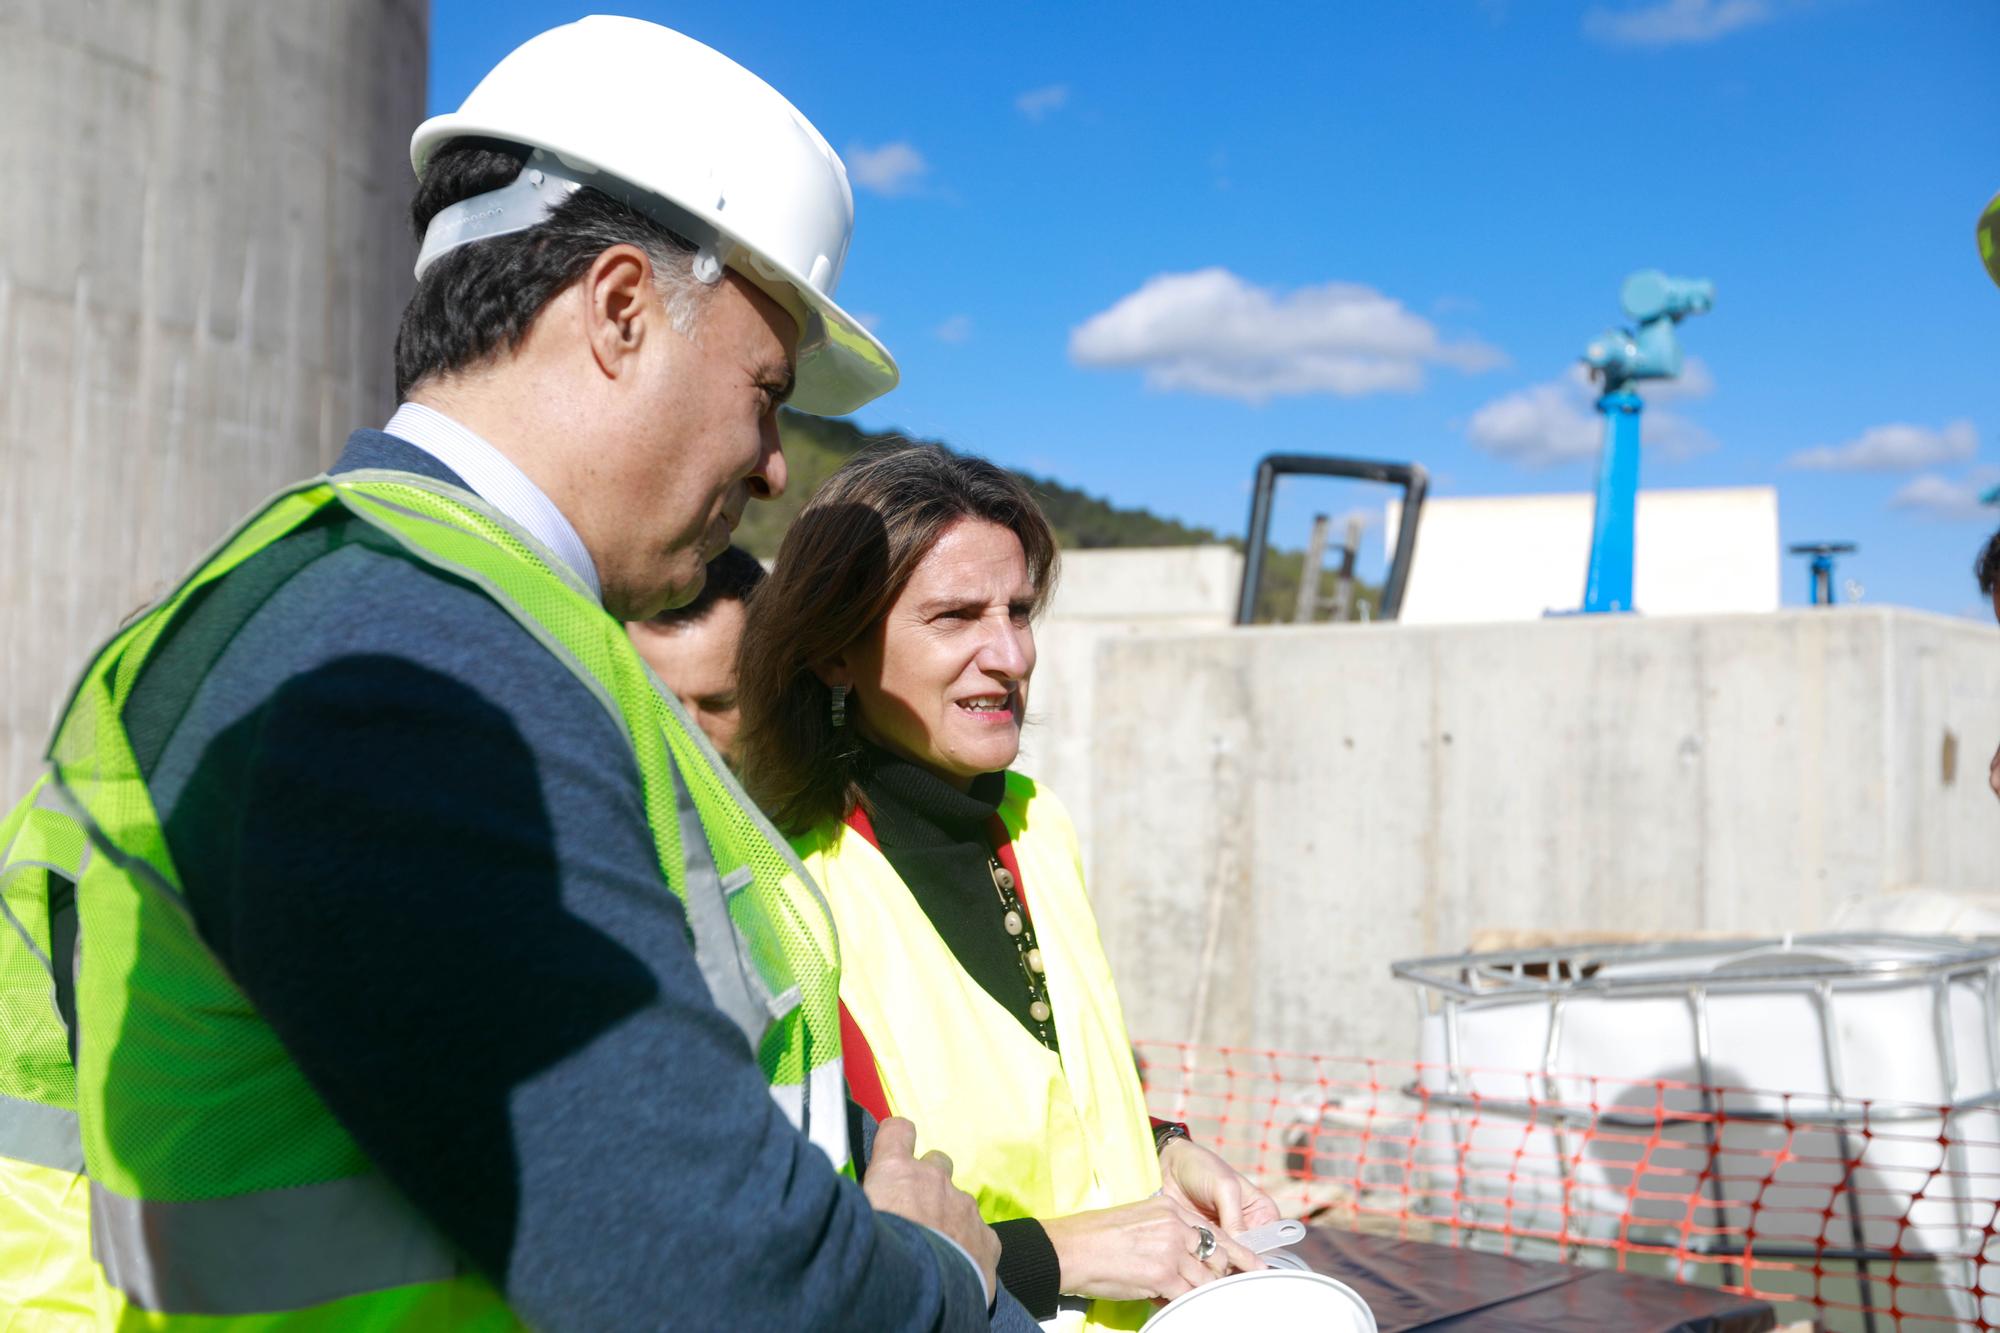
620	305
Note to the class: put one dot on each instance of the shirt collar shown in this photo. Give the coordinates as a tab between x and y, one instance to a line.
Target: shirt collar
492	476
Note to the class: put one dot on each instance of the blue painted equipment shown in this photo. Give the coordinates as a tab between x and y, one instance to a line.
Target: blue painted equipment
1617	358
1822	554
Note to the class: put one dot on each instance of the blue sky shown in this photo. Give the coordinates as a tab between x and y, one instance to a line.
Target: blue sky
1136	246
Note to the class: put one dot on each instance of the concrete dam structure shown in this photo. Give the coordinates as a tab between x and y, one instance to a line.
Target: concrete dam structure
204	252
1279	813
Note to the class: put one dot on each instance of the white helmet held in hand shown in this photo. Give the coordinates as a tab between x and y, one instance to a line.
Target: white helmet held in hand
691	139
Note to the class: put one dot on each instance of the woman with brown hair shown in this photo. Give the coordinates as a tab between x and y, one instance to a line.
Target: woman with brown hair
884	679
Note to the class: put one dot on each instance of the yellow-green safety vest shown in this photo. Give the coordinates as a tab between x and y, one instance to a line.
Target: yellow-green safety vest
222	1194
46	1278
1029	1133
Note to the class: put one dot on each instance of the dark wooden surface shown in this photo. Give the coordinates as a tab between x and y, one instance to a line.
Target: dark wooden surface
1417	1287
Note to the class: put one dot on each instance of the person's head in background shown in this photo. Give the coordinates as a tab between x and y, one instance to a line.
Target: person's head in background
1987	570
693	648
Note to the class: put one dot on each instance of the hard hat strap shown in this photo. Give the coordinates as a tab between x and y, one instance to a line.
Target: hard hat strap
538	191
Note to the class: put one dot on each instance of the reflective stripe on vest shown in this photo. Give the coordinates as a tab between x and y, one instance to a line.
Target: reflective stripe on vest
40	1135
740	991
1029	1133
241	1255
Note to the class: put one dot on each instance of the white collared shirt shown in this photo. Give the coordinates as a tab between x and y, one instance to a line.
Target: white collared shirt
492	476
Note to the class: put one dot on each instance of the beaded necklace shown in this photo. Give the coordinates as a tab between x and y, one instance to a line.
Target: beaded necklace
1014	918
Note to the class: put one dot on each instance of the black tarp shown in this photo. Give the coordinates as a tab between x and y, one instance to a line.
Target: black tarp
1416	1286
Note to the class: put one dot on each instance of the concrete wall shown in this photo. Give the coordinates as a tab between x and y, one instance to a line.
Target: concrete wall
1280	813
204	252
1102	596
1517	557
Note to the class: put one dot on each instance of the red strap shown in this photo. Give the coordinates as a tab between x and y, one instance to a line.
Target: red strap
858	820
864	1076
1003	851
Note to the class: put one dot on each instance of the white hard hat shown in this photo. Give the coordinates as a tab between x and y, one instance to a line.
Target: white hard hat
1273	1298
692	139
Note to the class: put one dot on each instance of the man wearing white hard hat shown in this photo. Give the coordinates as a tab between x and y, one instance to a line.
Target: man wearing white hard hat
428	970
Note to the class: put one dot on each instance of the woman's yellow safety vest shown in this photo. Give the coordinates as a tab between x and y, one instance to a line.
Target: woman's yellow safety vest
1029	1133
222	1194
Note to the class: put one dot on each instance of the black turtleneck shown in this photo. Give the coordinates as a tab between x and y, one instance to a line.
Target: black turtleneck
937	839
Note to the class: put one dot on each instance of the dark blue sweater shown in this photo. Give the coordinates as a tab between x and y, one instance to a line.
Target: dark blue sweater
419	846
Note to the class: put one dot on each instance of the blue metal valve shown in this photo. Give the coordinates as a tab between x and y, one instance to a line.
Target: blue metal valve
1822	554
1618	358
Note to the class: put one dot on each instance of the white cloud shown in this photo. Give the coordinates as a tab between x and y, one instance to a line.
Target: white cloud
1675	22
1212	332
1037	103
957	329
1537	426
1695	381
1557	421
1948	498
1895	447
868	320
894	168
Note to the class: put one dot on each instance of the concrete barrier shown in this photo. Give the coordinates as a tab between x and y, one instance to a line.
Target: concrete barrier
202	263
1278	813
1101	596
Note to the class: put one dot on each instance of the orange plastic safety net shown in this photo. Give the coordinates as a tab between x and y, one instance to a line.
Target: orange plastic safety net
1860	1214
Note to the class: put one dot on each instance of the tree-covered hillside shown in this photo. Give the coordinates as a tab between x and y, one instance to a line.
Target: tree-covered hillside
814	447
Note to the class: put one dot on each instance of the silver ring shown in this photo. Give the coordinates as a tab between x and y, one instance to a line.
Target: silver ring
1204	1244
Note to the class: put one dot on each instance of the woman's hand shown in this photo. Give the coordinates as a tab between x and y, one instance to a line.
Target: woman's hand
1199	1180
1141	1251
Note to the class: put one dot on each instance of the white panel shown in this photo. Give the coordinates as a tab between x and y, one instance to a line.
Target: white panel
1519	557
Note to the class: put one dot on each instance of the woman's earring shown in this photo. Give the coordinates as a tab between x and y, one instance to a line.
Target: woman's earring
840	704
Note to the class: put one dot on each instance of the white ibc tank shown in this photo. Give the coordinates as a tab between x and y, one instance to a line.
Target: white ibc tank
1834	1090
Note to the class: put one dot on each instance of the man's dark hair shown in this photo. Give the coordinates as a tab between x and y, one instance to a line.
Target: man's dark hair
1987	567
479	301
732	577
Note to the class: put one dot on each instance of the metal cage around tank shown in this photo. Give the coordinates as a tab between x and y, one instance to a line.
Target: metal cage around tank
1897	1037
